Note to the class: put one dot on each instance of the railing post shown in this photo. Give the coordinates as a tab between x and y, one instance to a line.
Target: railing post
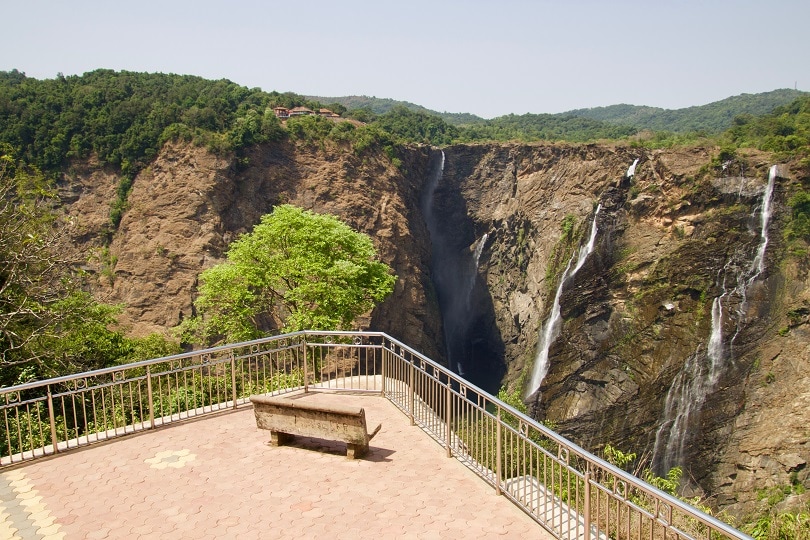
52	418
383	370
306	375
448	417
587	504
149	398
498	451
233	378
411	399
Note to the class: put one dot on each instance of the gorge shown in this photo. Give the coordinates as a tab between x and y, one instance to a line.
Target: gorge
660	270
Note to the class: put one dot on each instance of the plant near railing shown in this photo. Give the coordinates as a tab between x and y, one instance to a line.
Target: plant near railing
669	483
30	429
481	439
109	408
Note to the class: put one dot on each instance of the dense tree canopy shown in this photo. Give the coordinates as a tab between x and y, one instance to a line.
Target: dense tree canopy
296	270
786	129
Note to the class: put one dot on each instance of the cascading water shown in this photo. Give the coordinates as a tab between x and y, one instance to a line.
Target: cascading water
631	170
479	248
703	369
472	344
551	330
765	216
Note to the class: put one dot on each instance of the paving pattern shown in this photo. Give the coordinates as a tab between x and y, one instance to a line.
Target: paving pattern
217	477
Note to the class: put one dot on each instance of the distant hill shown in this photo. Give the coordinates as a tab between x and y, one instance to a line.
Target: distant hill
385	105
711	118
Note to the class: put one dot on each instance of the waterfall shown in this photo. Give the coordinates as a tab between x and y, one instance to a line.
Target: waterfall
586	250
479	248
765	216
702	370
471	345
551	329
426	202
631	170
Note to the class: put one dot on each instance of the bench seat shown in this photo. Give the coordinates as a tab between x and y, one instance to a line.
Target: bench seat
285	418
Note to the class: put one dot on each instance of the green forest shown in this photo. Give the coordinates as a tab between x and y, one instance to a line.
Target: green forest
123	118
711	118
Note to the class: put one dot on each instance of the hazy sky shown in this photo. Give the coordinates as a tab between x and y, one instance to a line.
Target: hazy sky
485	57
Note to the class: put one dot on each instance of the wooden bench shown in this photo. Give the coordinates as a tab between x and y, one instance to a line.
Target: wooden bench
285	418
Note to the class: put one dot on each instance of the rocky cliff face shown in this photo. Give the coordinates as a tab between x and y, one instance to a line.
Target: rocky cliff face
187	207
673	264
482	234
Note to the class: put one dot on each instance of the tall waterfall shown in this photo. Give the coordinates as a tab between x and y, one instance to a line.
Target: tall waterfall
470	337
551	329
702	370
764	218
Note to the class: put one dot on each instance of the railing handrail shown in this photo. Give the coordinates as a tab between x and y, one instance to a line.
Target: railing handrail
592	461
581	452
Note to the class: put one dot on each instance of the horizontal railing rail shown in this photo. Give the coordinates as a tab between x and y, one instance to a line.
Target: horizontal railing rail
570	492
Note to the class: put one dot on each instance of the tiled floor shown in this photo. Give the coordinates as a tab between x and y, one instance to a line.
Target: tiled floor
216	477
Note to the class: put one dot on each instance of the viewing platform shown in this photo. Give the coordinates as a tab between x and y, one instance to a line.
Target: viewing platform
170	448
216	477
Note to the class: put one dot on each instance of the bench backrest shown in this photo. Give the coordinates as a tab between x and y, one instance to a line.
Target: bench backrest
298	418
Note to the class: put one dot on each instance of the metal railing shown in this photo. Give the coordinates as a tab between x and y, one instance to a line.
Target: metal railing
568	491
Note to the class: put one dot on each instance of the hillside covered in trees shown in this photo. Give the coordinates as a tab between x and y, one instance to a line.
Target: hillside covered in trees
123	118
710	118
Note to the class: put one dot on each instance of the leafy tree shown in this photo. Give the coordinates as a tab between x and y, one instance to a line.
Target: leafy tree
296	270
786	129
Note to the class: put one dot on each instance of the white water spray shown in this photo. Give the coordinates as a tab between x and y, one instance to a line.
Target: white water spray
551	330
765	217
631	170
479	248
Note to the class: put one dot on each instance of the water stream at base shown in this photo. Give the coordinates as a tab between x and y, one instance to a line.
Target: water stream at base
703	369
551	329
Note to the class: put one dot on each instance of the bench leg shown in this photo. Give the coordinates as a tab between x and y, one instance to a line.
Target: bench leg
279	439
356	450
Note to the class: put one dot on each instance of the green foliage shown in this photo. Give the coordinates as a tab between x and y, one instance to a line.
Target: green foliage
124	118
567	226
786	130
404	125
551	127
618	458
798	228
781	526
310	128
296	270
30	428
366	108
711	118
669	483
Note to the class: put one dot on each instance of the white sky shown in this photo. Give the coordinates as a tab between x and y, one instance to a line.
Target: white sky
485	57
